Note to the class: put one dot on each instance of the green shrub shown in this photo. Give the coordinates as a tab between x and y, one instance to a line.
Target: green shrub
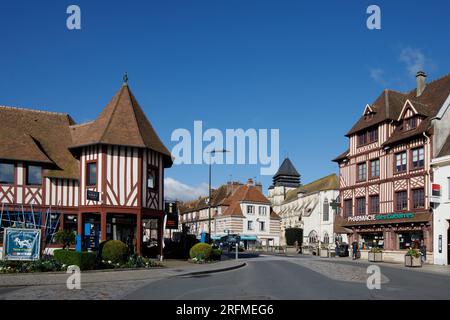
115	251
201	251
85	260
42	265
413	252
216	254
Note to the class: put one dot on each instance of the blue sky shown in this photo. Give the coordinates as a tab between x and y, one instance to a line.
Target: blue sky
305	68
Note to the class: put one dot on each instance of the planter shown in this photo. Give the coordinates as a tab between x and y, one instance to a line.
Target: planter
411	261
324	253
375	257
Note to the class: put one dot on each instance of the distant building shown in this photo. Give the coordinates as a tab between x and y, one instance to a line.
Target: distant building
307	207
235	209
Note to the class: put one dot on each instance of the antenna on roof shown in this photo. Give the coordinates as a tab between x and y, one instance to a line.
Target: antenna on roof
125	78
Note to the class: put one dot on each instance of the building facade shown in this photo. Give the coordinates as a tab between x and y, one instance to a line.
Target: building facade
386	174
103	179
307	207
235	209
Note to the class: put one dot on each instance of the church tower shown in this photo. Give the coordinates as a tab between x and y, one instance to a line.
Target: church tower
286	179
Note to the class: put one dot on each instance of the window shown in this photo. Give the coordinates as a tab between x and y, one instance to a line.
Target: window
361	206
362	171
6	173
152	181
409	239
262	211
312	237
401	200
409	124
375	168
262	226
326	210
326	238
348	206
250	209
400	162
418	158
34	175
91	176
71	223
374	204
418	196
249	225
368	136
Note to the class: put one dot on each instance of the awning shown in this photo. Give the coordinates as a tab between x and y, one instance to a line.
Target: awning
246	237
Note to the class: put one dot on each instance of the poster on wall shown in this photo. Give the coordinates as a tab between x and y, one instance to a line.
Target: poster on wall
22	244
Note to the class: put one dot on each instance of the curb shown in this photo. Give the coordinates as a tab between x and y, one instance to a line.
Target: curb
196	273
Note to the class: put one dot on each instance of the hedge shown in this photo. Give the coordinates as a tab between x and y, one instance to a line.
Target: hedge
85	260
201	251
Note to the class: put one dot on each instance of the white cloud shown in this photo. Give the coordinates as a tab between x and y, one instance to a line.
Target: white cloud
414	59
176	190
377	74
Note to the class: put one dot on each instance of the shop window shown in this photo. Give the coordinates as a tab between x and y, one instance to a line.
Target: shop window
348	206
409	240
418	198
372	240
375	168
326	210
34	175
418	158
374	204
6	173
91	176
400	162
401	201
71	223
362	171
361	206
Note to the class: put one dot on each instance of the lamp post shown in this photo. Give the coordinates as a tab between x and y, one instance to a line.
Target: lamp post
213	152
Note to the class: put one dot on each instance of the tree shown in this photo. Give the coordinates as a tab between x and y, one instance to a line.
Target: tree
65	238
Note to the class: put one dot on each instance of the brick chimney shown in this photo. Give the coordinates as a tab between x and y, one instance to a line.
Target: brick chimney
258	185
420	80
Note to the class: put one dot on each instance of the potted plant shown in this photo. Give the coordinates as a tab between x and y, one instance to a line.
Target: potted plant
324	251
375	255
413	258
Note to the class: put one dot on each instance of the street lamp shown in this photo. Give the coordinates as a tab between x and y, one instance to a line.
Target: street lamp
213	152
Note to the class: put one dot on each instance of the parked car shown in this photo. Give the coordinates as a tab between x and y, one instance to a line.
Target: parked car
343	250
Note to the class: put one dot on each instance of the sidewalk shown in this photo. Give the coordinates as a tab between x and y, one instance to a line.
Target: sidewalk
171	268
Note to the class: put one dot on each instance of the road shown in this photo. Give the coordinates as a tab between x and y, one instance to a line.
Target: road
269	277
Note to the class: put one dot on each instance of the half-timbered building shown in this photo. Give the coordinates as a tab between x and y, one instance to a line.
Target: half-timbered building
103	179
385	175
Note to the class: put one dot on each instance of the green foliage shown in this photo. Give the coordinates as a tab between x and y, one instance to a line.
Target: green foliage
375	250
413	253
114	251
65	238
216	254
292	235
42	265
201	252
85	260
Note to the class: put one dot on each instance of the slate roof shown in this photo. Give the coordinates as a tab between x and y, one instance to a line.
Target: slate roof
330	182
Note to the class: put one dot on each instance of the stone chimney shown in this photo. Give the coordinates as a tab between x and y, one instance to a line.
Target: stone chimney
420	80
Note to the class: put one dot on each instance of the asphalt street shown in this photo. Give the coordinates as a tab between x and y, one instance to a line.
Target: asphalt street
269	277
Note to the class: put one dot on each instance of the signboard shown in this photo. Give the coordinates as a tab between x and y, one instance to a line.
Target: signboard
172	221
21	244
93	195
376	217
435	193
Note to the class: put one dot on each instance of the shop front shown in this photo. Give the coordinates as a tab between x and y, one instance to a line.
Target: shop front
393	233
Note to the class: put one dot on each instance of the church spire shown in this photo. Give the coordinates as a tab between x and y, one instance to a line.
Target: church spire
287	175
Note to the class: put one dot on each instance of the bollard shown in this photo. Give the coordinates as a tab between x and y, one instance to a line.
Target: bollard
237	250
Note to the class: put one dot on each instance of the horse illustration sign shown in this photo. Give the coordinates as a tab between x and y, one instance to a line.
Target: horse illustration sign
22	244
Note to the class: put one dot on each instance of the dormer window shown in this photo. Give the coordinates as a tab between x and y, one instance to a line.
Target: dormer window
410	124
368	136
